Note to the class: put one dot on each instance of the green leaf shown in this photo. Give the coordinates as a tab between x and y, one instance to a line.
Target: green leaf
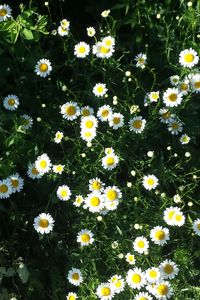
23	273
27	34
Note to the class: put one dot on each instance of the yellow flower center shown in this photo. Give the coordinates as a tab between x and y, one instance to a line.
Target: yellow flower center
172	97
174	125
11	102
162	289
63	193
105	291
197	84
108	43
75	276
150	181
43	164
153	273
43	67
116	120
44	223
155	96
35	171
3	188
3	12
100	89
184	86
168	269
85	237
189	57
171	214
88	134
25	122
137	124
59	168
178	217
70	110
166	115
105	113
141	60
71	297
86	112
82	49
143	298
15	183
104	50
96	185
112	195
118	284
89	124
136	278
95	201
110	161
131	258
198	226
141	244
160	235
59	136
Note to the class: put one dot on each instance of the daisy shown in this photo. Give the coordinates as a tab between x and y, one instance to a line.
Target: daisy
175	126
116	120
195	82
70	110
58	137
150	182
168	269
43	68
178	219
96	184
63	31
88	135
174	80
89	123
137	124
78	201
43	223
43	163
105	291
11	102
169	213
172	97
163	290
152	275
111	205
141	244
5	188
110	161
184	139
27	122
104	112
188	58
94	201
143	296
99	89
91	31
16	182
5	12
71	296
102	51
58	169
85	237
165	115
75	276
153	96
117	283
63	192
159	235
33	172
81	50
196	226
109	150
112	193
136	278
108	41
65	24
105	13
184	86
130	258
140	59
87	111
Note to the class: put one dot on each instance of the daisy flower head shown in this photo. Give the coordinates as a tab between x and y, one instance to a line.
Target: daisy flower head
111	205
58	137
96	184
88	135
135	278
175	126
5	188
130	258
165	115
195	83
16	182
102	51
108	41
169	213
62	31
110	161
150	182
159	235
85	237
188	58
162	290
168	269
81	50
11	102
117	283
65	24
137	124
43	223
140	59
91	31
71	296
5	12
112	193
75	276
87	111
172	97
63	192
78	201
27	122
116	120
89	123
141	245
104	113
43	68
43	164
94	202
184	139
70	110
99	89
174	80
153	96
33	172
143	296
184	86
178	219
58	169
105	291
105	13
152	275
196	226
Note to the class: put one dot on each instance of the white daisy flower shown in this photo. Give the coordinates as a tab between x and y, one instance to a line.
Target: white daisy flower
112	193
43	163
65	24
150	182
178	219
174	80
168	269
163	290
43	223
184	86
159	235
33	172
195	83
109	150
169	213
81	50
43	68
5	188
196	226
116	120
27	122
143	296
152	275
141	244
111	205
11	102
70	110
188	58
85	237
108	41
110	161
63	31
87	111
58	169
71	296
130	258
88	135
175	126
137	124
104	112
136	278
172	97
75	276
102	51
105	13
153	96
105	291
63	192
140	59
117	283
165	115
94	201
91	31
58	137
89	123
16	182
99	89
96	184
5	12
78	201
184	139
